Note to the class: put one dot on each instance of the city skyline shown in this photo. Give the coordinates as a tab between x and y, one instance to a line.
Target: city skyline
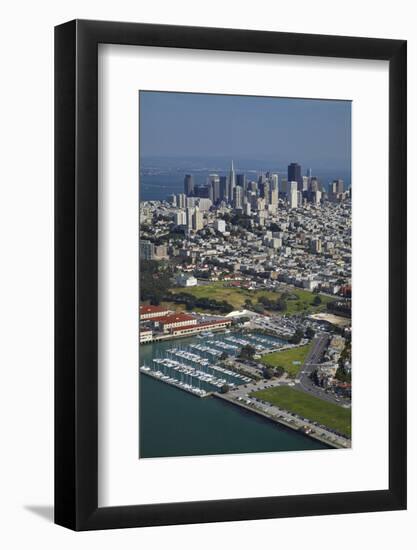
310	131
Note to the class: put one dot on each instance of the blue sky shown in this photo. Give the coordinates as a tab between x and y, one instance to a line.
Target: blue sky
312	132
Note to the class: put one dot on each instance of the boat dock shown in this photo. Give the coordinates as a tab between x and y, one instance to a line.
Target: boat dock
197	367
158	375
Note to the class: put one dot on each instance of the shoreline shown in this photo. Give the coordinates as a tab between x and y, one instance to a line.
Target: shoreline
276	420
232	401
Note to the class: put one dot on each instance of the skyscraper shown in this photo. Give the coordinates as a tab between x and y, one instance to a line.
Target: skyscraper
241	181
181	200
292	194
213	182
190	215
273	193
340	186
232	181
264	190
237	197
224	191
197	220
294	173
189	185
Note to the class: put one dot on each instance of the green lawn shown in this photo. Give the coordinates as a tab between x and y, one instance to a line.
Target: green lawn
307	406
236	296
287	359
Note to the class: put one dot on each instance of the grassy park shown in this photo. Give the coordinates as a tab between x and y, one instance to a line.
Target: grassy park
291	360
307	406
298	301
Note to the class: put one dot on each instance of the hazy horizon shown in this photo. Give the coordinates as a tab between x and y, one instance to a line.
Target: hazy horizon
275	131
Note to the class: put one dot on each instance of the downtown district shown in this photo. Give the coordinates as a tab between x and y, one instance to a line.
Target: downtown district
288	237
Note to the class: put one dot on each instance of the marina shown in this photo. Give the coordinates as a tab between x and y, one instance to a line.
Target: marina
195	367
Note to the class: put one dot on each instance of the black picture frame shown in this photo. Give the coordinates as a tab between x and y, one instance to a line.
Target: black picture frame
76	272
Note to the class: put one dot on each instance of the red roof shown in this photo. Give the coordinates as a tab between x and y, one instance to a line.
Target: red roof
174	318
207	324
152	309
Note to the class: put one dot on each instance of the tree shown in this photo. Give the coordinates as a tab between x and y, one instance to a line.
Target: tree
281	304
247	352
309	333
296	337
268	373
279	371
316	300
224	389
343	375
223	356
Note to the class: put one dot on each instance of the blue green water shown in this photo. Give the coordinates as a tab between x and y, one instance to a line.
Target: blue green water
176	423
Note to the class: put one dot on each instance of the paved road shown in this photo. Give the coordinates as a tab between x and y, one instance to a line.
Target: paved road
312	360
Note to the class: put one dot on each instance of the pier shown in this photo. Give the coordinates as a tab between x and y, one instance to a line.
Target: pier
175	382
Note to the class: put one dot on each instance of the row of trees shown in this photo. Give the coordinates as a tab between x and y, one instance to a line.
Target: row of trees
275	305
192	302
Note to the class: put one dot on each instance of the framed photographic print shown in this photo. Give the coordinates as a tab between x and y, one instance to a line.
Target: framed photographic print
230	275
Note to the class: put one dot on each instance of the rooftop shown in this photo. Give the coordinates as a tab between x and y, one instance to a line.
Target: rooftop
143	310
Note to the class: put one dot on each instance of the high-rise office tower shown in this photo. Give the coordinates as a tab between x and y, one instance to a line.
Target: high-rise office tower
273	193
232	181
264	190
316	197
238	197
314	185
273	179
172	199
213	183
340	186
201	191
241	181
309	173
190	215
210	192
305	184
181	200
292	194
253	186
262	179
294	173
254	202
224	189
197	220
189	185
284	186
